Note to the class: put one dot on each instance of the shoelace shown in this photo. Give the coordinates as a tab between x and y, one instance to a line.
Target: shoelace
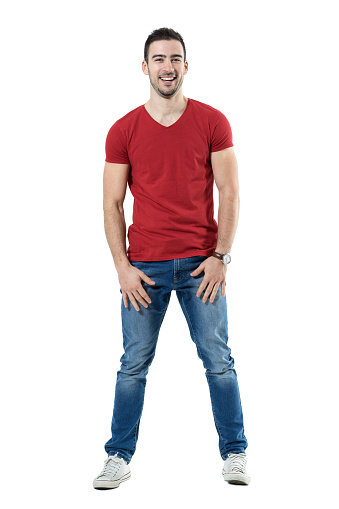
111	467
237	462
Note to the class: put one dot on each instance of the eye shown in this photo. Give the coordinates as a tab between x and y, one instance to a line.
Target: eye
159	59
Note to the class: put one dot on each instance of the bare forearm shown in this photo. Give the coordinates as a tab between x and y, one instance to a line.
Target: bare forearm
115	230
228	216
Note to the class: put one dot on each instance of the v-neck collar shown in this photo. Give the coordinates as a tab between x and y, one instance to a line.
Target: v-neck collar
175	123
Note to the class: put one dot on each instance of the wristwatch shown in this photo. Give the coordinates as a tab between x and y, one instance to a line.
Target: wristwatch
224	257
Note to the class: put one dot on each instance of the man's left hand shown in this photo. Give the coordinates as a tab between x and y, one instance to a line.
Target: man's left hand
215	273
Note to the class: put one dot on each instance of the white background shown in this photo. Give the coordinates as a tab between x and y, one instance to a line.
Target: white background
69	70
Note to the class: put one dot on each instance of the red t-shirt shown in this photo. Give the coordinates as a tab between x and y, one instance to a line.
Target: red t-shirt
171	179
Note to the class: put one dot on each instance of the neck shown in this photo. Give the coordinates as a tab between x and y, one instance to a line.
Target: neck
163	106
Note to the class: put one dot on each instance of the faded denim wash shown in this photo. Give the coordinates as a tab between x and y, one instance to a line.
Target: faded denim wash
208	328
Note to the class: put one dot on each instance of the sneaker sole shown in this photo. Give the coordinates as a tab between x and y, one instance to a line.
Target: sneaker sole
109	485
237	479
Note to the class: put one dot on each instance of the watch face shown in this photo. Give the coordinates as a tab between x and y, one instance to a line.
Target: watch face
226	258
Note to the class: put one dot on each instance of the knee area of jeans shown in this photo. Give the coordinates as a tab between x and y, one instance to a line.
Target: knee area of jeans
134	375
225	371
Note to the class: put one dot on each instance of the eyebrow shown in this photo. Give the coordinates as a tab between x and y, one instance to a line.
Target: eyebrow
154	56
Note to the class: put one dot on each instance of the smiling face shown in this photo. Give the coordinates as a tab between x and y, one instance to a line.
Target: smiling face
166	67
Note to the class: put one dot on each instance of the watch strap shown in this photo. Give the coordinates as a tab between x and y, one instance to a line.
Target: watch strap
218	255
225	258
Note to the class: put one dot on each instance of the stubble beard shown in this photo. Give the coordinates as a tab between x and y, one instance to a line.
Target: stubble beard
166	93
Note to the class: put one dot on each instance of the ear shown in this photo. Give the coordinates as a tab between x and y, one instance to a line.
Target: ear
144	67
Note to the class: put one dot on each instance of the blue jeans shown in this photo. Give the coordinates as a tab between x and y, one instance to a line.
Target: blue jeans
208	328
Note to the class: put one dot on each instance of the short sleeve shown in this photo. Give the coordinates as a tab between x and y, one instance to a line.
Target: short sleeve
221	137
115	146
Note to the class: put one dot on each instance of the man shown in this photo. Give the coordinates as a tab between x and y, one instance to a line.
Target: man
170	150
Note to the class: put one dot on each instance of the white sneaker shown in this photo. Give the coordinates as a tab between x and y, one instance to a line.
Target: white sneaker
115	471
234	470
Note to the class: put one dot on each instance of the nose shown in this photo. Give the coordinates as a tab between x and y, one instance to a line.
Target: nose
168	66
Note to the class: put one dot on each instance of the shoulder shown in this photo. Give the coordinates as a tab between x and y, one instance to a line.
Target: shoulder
127	120
206	109
219	131
126	123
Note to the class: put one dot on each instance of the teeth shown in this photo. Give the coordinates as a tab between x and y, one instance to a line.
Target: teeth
167	79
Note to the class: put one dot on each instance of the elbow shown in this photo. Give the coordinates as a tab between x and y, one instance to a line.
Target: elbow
229	194
116	206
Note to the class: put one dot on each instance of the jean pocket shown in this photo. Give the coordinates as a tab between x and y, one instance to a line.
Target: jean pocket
135	263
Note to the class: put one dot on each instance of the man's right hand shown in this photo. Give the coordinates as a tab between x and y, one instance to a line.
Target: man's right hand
130	283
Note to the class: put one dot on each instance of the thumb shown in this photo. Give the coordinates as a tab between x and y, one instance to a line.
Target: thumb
197	270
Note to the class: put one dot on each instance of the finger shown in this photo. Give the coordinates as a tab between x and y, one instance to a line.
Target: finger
124	298
214	292
134	302
147	279
208	290
142	294
201	287
139	298
145	295
223	288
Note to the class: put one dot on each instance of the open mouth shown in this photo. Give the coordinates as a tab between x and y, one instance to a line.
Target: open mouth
167	79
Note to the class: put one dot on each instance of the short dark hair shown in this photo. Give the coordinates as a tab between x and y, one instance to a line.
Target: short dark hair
162	34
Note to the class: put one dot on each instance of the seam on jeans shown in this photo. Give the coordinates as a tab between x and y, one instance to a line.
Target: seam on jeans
189	319
195	340
215	420
177	280
136	429
138	423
